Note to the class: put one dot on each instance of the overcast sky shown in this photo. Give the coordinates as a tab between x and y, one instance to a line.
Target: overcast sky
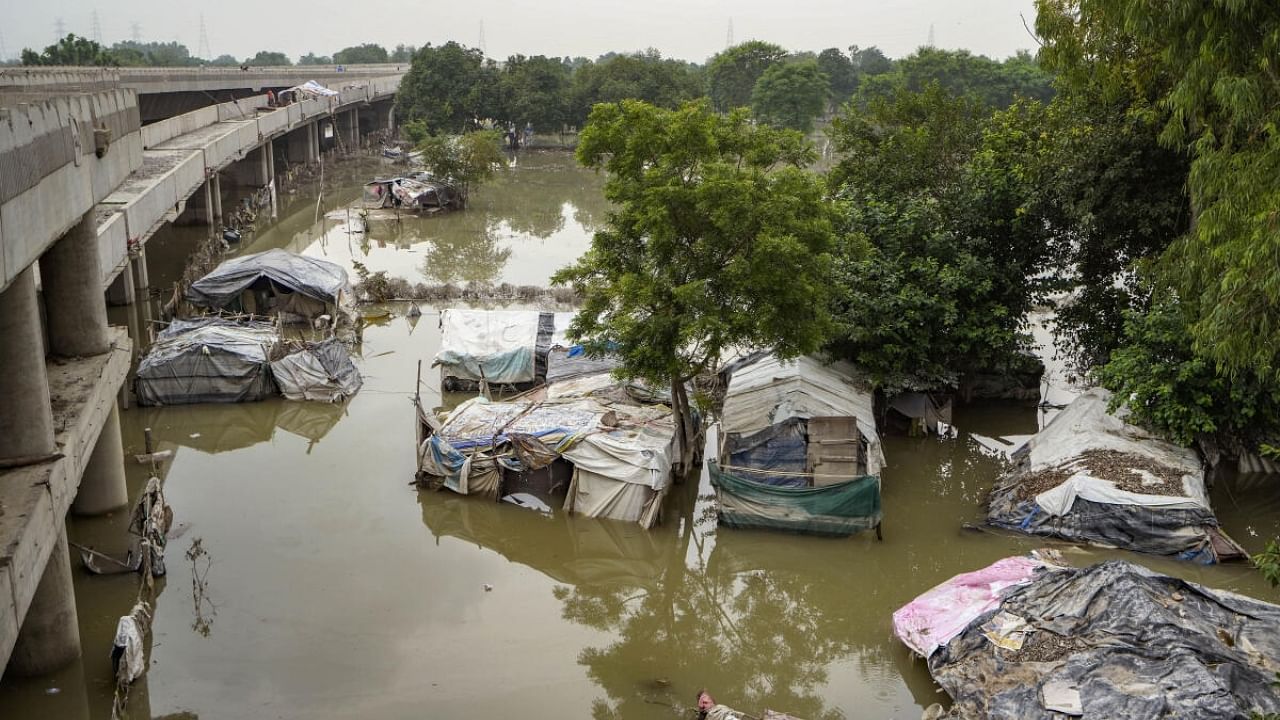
688	29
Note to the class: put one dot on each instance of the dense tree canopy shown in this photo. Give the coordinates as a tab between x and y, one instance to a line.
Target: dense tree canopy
996	83
790	95
447	87
941	192
367	53
268	58
645	76
466	160
720	239
70	50
732	74
313	59
534	90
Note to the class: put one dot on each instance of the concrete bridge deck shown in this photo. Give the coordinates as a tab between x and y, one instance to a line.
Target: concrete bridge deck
83	184
181	153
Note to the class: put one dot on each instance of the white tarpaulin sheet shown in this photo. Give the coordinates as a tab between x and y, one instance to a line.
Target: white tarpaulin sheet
500	344
560	336
1086	425
767	392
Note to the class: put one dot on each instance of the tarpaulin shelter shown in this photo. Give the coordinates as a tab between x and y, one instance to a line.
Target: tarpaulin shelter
319	371
618	452
410	193
274	281
501	347
1028	639
209	360
1090	476
800	424
306	91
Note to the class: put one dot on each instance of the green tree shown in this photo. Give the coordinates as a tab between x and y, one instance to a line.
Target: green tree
368	53
534	90
313	59
268	58
1206	72
154	54
447	87
645	76
791	95
224	61
720	239
70	50
960	72
841	77
732	74
466	161
940	190
403	53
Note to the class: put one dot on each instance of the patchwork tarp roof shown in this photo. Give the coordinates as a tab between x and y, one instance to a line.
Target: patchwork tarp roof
311	88
309	276
764	392
1089	476
320	371
208	360
1021	639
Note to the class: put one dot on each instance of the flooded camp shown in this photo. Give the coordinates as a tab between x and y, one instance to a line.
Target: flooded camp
295	287
1092	477
1032	637
799	448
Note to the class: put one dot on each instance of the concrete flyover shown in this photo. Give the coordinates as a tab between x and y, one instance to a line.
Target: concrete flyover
84	182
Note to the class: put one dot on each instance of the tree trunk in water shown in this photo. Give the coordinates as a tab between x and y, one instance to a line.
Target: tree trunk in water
686	429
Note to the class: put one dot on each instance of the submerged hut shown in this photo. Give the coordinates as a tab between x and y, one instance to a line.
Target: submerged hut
419	193
799	449
499	347
208	360
1091	477
593	442
295	287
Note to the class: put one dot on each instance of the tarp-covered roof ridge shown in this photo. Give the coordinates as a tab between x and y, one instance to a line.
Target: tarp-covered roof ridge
1089	476
316	278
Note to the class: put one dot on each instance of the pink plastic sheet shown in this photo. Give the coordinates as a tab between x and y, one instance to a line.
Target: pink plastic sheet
932	619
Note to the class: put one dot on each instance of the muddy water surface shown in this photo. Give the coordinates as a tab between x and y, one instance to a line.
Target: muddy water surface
331	588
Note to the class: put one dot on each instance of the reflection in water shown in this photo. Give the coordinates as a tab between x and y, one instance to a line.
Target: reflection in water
235	426
202	608
529	221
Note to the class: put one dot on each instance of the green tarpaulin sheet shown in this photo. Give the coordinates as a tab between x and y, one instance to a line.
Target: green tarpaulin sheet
840	509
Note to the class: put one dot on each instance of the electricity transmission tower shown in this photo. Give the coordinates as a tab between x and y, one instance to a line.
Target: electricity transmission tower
59	29
728	38
483	49
203	50
930	44
95	27
136	31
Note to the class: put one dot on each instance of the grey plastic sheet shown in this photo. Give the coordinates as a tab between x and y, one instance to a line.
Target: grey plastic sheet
315	278
1115	640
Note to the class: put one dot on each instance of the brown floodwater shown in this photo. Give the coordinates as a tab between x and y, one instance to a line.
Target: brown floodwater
332	588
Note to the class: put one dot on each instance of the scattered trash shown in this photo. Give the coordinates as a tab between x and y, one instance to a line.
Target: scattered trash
488	587
194	435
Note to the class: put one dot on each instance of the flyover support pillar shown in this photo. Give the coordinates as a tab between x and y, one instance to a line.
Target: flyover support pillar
74	305
50	635
26	425
102	486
